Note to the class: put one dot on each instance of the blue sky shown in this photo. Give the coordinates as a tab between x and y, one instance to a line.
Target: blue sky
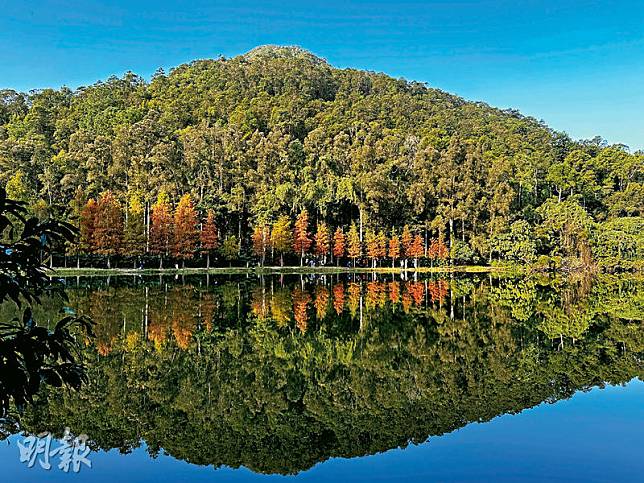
577	64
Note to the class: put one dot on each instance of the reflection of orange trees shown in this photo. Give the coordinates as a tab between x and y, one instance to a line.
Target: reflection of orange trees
338	298
321	301
105	311
281	307
184	321
172	311
376	295
182	329
417	292
157	333
353	298
301	301
437	250
438	290
258	304
208	306
394	292
406	300
104	347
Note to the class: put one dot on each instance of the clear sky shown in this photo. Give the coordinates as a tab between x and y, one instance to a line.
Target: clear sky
577	64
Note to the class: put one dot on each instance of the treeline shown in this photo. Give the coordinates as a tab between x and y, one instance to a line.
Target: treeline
277	131
182	234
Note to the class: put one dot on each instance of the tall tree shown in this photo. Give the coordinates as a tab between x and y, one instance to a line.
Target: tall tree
437	250
417	249
135	227
230	249
371	242
88	226
108	226
281	237
381	242
405	242
186	233
161	227
301	239
208	236
354	245
339	244
261	241
394	247
322	241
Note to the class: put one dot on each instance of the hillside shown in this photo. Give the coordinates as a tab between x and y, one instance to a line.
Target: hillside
278	130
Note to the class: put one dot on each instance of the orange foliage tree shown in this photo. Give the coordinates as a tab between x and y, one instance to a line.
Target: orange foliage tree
381	243
301	240
261	239
88	225
208	236
417	249
161	227
339	244
394	248
437	250
108	226
371	241
186	233
322	241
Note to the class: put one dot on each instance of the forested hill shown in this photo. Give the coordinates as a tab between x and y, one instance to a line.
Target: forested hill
278	130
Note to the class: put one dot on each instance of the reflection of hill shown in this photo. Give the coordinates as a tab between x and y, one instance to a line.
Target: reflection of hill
293	382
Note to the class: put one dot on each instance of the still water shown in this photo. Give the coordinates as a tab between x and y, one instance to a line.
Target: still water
353	378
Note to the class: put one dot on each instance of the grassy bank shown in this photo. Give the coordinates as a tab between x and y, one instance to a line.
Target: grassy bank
269	270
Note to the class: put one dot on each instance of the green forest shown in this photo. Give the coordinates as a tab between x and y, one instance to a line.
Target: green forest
276	157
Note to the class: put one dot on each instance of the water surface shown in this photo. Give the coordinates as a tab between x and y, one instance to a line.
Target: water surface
354	378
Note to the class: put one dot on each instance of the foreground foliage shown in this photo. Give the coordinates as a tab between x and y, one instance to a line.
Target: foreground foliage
31	356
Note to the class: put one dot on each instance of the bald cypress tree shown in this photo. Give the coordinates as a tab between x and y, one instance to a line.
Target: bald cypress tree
186	233
161	227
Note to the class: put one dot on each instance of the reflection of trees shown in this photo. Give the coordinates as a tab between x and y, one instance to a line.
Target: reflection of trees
321	302
275	399
301	301
338	298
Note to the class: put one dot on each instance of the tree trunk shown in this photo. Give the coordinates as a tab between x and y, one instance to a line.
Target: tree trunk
208	260
160	262
451	233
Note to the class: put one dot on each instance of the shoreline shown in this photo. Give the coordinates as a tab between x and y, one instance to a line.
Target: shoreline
255	270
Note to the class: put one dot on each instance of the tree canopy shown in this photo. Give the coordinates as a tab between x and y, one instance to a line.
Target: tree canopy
278	132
